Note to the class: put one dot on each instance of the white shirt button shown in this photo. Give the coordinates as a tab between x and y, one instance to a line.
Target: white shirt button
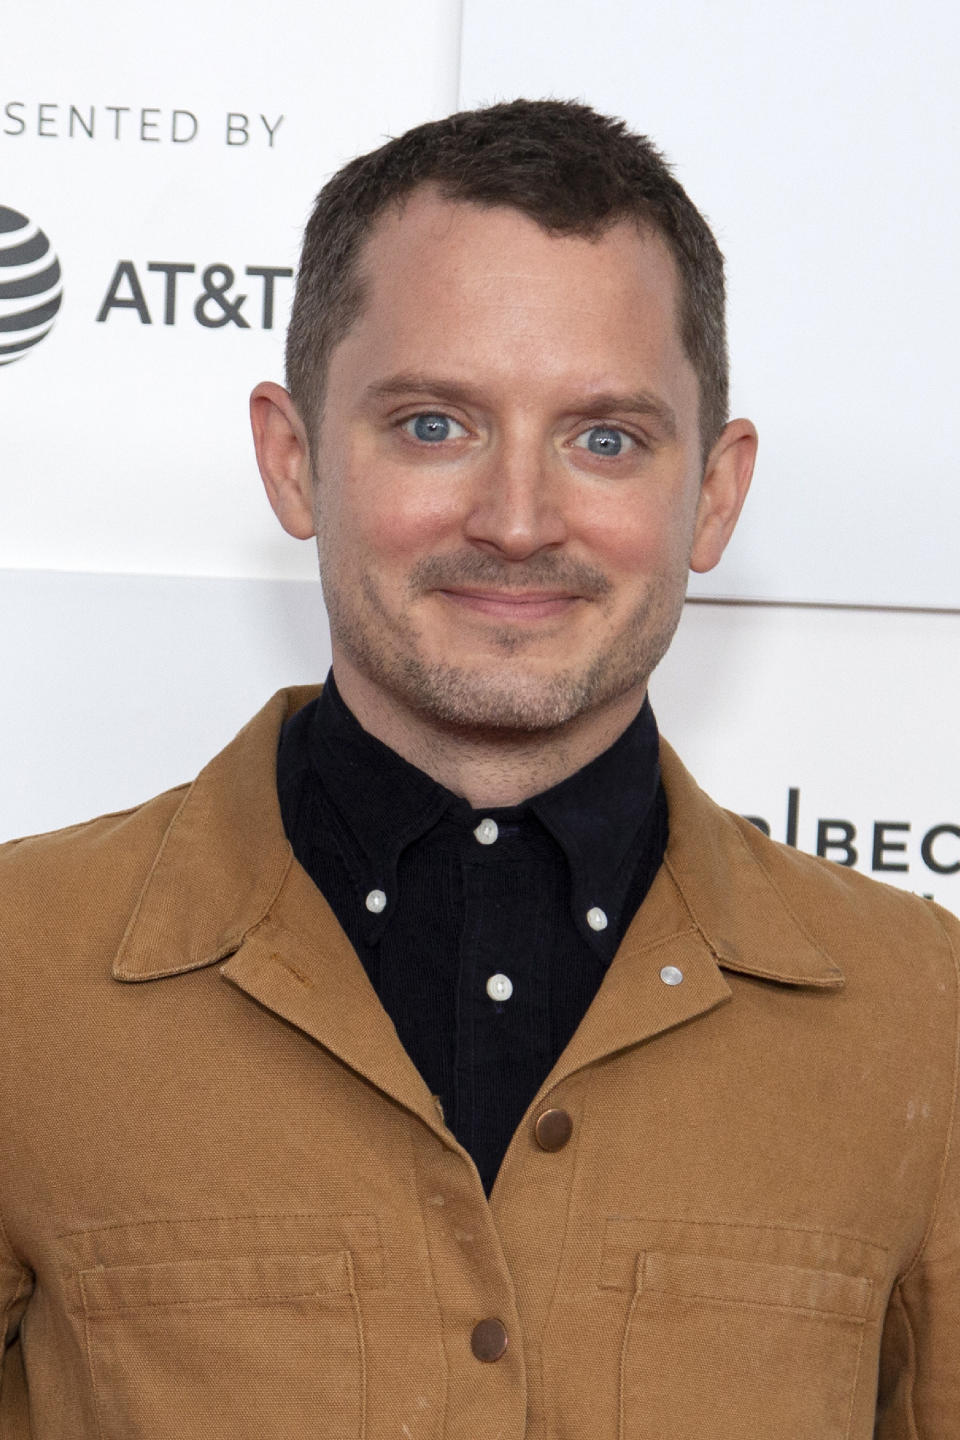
487	831
670	975
596	918
376	901
499	987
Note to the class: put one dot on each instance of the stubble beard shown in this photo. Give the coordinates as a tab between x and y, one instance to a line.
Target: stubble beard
509	698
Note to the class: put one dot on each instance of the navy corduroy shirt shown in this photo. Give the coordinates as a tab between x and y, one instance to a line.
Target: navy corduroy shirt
485	933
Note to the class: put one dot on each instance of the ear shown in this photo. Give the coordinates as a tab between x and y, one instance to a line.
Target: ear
283	455
726	480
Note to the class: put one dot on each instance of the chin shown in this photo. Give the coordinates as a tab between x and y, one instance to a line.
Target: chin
460	698
508	692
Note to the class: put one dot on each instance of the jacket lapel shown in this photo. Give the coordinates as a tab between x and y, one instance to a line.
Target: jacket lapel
299	964
712	908
225	887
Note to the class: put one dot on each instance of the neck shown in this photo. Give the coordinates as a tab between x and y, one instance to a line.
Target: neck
490	768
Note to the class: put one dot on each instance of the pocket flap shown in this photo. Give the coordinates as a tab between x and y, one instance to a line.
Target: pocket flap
237	1279
747	1282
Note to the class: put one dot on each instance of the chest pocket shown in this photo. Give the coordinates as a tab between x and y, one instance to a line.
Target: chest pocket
760	1332
229	1345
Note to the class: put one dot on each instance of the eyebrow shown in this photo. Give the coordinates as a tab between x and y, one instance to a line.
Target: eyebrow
640	403
418	383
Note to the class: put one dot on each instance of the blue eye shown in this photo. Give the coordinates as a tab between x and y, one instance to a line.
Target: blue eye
605	440
433	427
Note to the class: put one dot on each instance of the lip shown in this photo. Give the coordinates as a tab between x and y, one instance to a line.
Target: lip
515	605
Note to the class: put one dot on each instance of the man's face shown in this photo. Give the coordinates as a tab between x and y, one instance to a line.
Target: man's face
507	470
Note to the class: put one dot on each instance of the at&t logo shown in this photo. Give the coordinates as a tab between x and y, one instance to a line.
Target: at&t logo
30	289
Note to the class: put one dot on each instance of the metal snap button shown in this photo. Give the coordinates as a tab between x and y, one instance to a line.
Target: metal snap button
489	1340
553	1129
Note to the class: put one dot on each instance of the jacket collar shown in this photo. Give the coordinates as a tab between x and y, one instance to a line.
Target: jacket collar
225	867
719	864
222	862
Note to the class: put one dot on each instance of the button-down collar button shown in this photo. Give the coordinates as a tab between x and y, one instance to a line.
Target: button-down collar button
597	918
499	987
489	1340
487	831
670	975
553	1129
376	901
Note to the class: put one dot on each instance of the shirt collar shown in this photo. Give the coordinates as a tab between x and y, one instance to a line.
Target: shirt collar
601	817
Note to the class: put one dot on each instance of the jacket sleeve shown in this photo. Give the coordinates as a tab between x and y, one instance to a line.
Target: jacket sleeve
15	1287
919	1396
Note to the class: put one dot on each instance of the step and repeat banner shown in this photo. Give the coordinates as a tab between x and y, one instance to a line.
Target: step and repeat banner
153	189
154	185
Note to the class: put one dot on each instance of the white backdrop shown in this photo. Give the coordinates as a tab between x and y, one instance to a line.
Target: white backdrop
149	603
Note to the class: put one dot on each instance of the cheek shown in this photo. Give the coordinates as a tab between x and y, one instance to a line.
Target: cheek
638	541
392	514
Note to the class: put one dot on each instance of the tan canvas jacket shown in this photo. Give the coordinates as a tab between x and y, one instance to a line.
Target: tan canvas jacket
230	1207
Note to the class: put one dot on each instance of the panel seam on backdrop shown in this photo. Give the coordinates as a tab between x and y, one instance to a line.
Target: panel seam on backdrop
727	601
824	605
459	58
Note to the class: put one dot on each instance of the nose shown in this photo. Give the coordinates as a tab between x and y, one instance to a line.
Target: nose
516	506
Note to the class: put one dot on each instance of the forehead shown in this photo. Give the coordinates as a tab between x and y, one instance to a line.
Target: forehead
487	288
468	244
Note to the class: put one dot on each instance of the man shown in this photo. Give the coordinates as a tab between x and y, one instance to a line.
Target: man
442	1062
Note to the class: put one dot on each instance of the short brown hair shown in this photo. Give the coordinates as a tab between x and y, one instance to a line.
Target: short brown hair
572	170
